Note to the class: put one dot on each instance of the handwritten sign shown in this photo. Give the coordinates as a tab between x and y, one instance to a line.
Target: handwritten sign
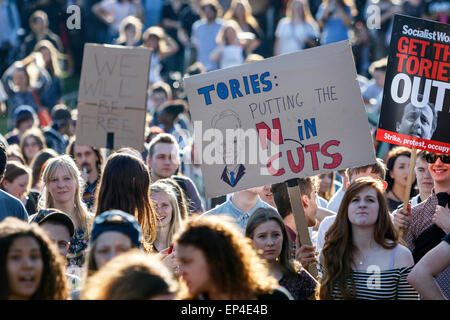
285	117
112	96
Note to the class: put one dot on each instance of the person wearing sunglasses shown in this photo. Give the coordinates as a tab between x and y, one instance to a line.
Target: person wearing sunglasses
426	224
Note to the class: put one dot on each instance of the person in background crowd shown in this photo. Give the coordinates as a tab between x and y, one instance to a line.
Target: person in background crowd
16	182
434	262
164	200
181	198
335	18
9	205
57	135
232	45
224	267
125	185
31	142
152	12
173	119
188	16
381	35
36	171
308	187
376	171
191	169
204	33
160	93
373	90
424	179
58	226
422	225
9	33
164	160
23	81
130	32
270	239
52	57
437	10
240	206
26	250
112	13
62	190
413	8
363	236
326	185
397	165
39	31
14	154
266	195
113	232
89	160
297	31
241	12
171	22
163	46
24	118
131	276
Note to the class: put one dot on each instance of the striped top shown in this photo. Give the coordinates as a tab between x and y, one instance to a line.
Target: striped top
381	285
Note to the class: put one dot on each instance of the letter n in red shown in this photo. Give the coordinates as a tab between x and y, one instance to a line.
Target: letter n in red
265	132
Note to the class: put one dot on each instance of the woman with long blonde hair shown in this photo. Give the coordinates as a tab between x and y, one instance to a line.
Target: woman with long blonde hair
297	30
168	214
53	60
241	12
362	257
63	189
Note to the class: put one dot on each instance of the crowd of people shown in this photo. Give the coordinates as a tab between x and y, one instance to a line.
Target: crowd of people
80	222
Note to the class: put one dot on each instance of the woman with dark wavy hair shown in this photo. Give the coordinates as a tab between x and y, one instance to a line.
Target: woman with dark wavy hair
30	266
362	257
125	185
216	262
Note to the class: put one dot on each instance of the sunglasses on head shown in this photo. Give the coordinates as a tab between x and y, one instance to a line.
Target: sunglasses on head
431	158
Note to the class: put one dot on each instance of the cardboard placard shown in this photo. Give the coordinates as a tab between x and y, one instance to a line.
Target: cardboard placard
125	124
416	97
301	114
112	96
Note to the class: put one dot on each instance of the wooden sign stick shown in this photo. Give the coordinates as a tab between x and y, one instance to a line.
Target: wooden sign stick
409	181
298	211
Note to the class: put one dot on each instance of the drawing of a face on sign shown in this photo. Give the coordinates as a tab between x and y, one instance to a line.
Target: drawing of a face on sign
418	122
229	123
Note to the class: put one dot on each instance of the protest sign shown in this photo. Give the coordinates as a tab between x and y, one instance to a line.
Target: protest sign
416	96
299	115
112	97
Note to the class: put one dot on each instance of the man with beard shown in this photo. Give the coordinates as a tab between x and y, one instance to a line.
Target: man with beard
89	160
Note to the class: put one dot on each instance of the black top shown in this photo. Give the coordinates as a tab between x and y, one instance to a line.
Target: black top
279	293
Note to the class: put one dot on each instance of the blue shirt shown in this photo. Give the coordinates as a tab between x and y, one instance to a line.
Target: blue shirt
11	207
240	217
204	36
334	29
